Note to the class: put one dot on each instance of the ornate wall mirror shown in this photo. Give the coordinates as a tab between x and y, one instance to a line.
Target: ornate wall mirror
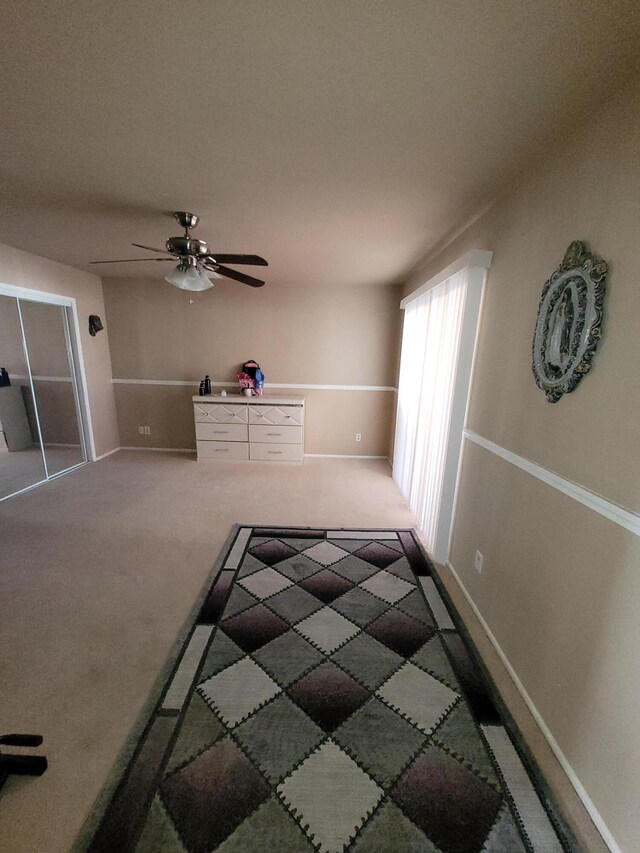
569	324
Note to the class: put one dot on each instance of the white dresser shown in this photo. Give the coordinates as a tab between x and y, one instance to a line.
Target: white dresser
267	428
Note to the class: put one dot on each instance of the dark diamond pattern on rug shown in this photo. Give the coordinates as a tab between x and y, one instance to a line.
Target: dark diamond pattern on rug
201	728
222	653
287	657
401	569
360	606
354	569
390	830
458	735
330	713
272	552
270	828
239	600
294	604
298	567
328	695
209	797
249	566
300	544
433	659
413	605
380	740
367	660
377	554
450	804
401	633
254	627
326	585
278	737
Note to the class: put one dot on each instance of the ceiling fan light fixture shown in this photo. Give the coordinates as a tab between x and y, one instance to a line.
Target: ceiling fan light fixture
209	273
188	276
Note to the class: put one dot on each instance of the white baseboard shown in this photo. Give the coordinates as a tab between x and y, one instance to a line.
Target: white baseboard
595	815
341	456
163	449
108	453
193	450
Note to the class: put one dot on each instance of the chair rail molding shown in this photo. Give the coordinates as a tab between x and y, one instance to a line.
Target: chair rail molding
191	383
612	511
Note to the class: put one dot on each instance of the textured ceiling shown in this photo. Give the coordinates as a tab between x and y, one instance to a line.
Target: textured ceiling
341	140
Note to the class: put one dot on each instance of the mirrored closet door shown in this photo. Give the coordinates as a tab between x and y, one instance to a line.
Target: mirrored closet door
41	431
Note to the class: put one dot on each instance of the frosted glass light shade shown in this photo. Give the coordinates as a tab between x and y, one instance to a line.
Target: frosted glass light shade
190	278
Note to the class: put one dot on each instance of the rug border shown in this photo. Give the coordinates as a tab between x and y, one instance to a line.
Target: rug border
125	755
546	796
124	758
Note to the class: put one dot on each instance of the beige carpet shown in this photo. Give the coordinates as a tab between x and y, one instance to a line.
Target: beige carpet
100	570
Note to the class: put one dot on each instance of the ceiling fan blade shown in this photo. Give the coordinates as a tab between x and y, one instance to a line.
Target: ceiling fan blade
238	276
131	260
254	260
151	249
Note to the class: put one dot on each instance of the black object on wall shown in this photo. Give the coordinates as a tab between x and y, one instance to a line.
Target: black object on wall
95	325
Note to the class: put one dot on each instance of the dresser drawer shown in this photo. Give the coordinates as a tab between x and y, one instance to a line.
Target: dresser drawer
276	452
220	413
276	415
275	434
222	450
222	432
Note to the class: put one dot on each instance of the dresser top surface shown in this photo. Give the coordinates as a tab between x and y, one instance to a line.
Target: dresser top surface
264	400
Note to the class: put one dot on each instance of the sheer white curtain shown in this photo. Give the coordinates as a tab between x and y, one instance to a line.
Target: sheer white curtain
431	341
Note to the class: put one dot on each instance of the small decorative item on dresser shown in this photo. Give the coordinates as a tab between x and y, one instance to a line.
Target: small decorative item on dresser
246	383
252	369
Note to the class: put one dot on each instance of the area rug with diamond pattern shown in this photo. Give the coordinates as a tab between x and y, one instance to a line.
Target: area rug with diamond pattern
325	698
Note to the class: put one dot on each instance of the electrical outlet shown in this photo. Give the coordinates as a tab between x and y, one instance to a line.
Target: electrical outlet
147	430
478	561
141	430
358	436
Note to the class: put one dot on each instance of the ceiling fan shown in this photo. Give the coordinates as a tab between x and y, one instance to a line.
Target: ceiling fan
196	264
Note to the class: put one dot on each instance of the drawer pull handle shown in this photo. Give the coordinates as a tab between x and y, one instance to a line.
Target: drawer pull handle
222	450
275	452
220	431
274	433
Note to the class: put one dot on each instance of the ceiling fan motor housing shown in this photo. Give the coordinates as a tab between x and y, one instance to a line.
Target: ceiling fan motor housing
186	246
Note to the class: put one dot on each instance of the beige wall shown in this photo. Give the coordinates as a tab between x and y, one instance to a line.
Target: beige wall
22	269
560	584
319	336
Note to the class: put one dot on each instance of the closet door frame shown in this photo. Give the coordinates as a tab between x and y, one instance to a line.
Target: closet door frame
74	344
